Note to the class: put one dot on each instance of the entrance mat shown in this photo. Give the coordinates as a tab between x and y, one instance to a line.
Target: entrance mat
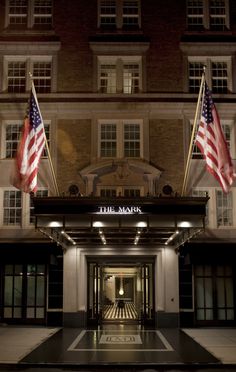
119	345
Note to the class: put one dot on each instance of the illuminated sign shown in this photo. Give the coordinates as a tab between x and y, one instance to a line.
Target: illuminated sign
119	210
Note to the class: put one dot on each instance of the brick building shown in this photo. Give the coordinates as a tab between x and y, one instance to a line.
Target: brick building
117	83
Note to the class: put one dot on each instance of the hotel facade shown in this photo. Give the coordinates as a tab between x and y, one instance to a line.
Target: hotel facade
110	236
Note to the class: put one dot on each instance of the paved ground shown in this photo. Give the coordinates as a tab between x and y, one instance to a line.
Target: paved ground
21	348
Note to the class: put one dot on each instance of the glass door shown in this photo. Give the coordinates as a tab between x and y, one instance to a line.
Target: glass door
147	293
120	293
94	283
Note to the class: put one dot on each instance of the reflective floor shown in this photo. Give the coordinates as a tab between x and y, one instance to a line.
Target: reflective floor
119	344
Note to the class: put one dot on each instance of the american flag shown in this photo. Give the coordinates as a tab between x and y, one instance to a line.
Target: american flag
212	144
30	148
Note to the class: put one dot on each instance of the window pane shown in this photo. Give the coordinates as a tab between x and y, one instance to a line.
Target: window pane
217	15
42	77
195	14
39	194
42	12
108	78
108	140
202	193
16	77
109	193
195	75
13	133
30	290
8	291
130	13
219	77
131	78
18	12
131	140
12	208
224	208
107	13
40	291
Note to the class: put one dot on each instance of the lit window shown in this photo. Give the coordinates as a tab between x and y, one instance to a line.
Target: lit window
131	76
108	79
120	139
224	208
218	74
12	207
208	14
119	74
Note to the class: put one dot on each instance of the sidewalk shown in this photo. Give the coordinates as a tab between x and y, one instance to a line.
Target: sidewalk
220	342
16	343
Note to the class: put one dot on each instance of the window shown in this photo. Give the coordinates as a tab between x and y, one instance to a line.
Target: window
228	135
28	14
107	78
13	135
17	72
12	207
120	139
202	193
208	14
119	74
24	291
195	14
218	74
224	208
42	12
127	192
118	14
39	194
214	293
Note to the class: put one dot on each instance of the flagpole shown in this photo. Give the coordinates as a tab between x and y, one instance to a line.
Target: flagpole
46	143
187	168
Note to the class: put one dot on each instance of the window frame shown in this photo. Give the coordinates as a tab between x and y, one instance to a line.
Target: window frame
29	67
29	16
120	62
206	17
225	208
225	124
119	15
120	140
6	123
207	61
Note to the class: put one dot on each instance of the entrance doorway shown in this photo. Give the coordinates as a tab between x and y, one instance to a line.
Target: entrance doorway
120	292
